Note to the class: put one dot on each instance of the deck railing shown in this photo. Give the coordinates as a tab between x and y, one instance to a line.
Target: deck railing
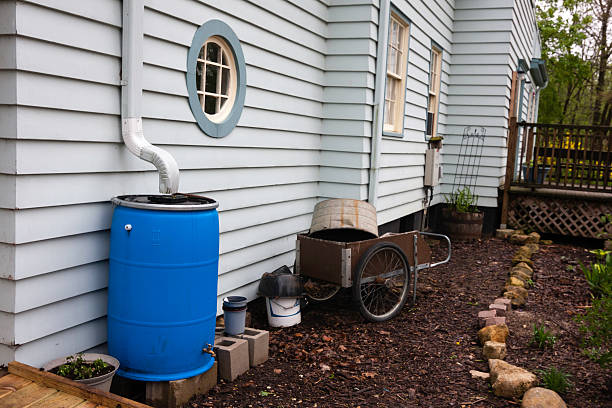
565	157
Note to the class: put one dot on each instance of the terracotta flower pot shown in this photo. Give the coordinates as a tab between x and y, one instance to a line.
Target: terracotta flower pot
102	382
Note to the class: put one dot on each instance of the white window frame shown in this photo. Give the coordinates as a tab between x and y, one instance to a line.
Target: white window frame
230	65
435	80
395	89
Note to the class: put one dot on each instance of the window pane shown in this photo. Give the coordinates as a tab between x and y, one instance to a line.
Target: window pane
202	52
392	88
392	60
225	77
398	63
199	68
388	119
223	100
394	29
400	34
210	105
212	52
223	58
212	73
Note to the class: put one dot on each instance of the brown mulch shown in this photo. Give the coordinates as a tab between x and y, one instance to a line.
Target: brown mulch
422	357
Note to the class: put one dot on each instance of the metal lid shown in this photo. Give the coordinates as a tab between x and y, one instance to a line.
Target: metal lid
170	202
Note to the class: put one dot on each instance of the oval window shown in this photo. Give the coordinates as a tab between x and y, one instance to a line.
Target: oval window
216	78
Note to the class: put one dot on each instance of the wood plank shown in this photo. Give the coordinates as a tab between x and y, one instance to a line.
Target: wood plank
13	382
5	392
71	387
26	396
88	404
58	400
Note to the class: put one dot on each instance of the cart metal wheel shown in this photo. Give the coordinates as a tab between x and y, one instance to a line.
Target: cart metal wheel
381	283
319	290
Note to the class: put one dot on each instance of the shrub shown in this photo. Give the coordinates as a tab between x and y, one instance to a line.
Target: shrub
555	379
599	274
542	337
463	201
597	330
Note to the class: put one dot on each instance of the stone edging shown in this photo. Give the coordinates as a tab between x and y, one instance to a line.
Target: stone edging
510	381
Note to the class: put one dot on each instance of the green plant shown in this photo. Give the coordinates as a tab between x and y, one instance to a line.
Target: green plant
597	330
463	200
555	379
599	274
77	368
542	337
529	282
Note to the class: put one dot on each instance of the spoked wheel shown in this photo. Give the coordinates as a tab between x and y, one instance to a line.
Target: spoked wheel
319	290
381	282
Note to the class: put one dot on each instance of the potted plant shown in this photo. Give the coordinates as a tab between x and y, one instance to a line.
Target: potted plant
461	219
96	370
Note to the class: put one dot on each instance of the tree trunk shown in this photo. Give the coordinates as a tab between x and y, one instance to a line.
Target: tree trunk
604	54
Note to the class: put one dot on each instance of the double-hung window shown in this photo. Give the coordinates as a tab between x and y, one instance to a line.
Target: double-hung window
397	58
435	68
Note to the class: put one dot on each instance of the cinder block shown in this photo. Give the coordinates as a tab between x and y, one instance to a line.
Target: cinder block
232	356
258	345
492	321
504	301
219	331
174	394
503	233
499	309
484	315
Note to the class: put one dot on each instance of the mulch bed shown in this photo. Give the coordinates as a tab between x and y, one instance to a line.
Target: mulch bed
422	357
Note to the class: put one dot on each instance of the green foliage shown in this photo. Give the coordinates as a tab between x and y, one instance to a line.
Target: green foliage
555	379
542	337
563	31
463	200
599	274
77	368
597	330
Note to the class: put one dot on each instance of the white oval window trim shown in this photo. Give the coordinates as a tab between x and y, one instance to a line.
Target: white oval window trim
217	87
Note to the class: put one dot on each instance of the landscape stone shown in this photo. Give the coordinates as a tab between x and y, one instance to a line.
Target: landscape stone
525	251
510	381
520	274
479	374
546	242
516	281
538	397
484	315
516	289
523	267
494	349
499	309
608	245
518	258
503	233
533	247
492	321
518	239
505	302
497	333
534	237
516	299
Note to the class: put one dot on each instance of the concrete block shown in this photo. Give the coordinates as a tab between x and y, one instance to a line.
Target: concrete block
504	301
232	356
492	321
258	345
499	309
484	315
174	394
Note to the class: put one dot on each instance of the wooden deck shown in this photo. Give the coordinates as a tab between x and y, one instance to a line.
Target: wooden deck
26	386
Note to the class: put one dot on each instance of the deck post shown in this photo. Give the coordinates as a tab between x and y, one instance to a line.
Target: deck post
511	149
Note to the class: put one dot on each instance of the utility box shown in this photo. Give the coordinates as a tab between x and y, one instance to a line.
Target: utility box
433	167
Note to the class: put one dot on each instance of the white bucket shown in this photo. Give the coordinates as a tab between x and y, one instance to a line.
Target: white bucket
283	312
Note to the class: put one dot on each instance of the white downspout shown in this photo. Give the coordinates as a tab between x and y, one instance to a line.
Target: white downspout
379	100
131	99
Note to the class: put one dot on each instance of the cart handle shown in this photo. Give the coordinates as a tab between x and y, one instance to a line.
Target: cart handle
440	236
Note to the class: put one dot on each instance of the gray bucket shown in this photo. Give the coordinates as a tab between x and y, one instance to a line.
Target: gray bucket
234	314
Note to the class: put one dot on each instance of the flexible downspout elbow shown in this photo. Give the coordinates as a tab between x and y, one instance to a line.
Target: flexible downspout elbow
131	100
379	100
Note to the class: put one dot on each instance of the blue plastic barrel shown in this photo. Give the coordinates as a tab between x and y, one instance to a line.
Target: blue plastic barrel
162	290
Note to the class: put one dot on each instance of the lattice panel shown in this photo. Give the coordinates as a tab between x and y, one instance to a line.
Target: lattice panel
565	216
